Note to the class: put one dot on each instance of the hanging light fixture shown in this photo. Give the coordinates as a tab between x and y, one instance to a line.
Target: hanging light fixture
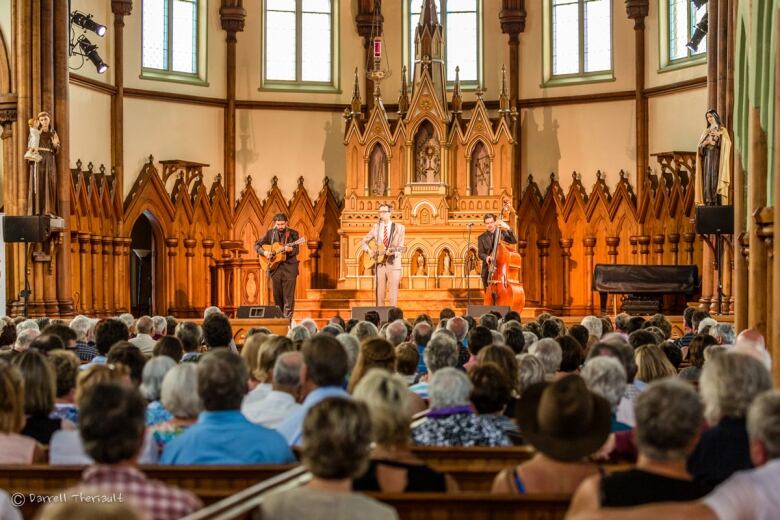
698	34
86	22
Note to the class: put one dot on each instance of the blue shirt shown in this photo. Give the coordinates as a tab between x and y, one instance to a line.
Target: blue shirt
227	437
421	368
292	428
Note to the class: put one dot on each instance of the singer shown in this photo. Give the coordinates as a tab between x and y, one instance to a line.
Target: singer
388	239
283	278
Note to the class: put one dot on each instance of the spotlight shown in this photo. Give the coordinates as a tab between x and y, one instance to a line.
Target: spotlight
698	3
698	34
86	22
89	50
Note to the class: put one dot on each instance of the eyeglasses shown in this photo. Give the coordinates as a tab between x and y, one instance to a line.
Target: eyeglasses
384	211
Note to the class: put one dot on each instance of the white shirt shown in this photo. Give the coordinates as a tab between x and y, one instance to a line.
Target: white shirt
66	447
748	494
145	342
271	411
257	394
7	509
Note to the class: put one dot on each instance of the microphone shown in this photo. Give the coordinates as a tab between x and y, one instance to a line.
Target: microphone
470	224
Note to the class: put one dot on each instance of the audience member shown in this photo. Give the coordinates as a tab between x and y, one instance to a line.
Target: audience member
688	331
374	353
560	465
66	369
459	327
7	334
652	364
336	448
446	313
514	338
65	333
269	351
160	327
364	330
298	334
442	352
373	318
642	337
143	339
696	348
323	374
280	402
179	396
108	332
492	392
129	322
669	417
571	355
191	336
406	361
310	325
169	346
170	325
421	335
217	332
673	355
594	326
478	338
634	323
85	349
222	435
15	448
112	426
130	356
394	313
605	376
489	321
451	420
617	347
530	371
151	387
549	353
551	329
581	334
351	347
40	386
660	322
22	343
44	343
724	334
728	385
396	333
392	467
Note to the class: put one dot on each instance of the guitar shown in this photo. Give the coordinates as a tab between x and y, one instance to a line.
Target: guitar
279	254
380	256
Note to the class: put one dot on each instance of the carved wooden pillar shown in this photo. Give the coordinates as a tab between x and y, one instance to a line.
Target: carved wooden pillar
543	246
126	243
707	270
337	256
589	243
644	249
118	276
757	266
712	54
208	254
232	16
96	274
314	253
36	302
689	239
366	26
637	10
522	244
171	245
108	274
674	247
612	249
86	291
49	286
120	9
566	244
76	272
634	242
512	17
658	249
189	253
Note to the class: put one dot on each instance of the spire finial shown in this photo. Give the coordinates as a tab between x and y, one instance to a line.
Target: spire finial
503	99
457	100
356	102
403	101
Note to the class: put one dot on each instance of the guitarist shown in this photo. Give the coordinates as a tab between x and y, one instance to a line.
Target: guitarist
284	276
388	235
485	242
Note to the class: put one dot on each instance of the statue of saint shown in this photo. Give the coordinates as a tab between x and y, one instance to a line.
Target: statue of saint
713	175
420	264
446	263
43	144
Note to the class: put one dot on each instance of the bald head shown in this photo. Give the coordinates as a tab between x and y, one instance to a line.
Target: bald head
145	325
750	338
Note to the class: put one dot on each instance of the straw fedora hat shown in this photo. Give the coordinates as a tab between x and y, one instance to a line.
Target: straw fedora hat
564	420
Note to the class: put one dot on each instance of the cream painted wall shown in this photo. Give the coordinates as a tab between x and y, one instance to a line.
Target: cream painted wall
172	131
101	11
289	145
582	138
676	121
90	128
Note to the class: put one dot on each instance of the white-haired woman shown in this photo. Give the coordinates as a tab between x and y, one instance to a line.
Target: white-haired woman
179	396
151	387
605	376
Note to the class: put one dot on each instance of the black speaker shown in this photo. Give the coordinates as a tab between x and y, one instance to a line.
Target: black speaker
35	228
259	311
475	311
715	219
359	313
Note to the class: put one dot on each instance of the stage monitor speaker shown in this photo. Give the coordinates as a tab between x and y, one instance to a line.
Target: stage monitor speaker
359	313
259	311
35	228
475	311
715	220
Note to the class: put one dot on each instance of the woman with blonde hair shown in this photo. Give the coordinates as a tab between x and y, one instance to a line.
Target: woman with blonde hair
250	352
15	448
392	467
652	364
267	353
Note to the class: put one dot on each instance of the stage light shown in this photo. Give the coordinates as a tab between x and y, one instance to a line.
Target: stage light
89	50
86	22
698	34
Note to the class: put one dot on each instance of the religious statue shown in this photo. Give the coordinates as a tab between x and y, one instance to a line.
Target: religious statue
446	263
42	145
713	175
377	172
420	261
471	262
427	161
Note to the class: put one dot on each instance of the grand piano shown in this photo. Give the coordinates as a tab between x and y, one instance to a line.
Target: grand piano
645	283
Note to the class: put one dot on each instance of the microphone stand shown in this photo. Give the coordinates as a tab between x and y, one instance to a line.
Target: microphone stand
467	265
376	264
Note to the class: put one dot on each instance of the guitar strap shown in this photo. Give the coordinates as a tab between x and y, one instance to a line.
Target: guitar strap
392	231
286	236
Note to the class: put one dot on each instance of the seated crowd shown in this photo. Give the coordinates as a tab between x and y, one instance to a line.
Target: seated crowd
693	418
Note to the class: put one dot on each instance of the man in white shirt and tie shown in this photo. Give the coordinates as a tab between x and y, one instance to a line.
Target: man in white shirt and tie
389	237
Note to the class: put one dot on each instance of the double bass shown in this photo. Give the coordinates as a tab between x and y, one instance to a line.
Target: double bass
504	285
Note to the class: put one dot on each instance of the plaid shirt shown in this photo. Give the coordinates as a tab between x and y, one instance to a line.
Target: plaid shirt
86	351
127	484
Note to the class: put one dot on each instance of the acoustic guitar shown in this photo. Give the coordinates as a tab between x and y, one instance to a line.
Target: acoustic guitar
279	254
380	256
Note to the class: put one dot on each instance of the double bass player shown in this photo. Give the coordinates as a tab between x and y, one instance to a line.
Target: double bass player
486	240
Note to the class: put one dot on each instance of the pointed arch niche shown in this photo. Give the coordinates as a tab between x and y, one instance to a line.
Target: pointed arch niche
480	166
427	155
146	266
377	171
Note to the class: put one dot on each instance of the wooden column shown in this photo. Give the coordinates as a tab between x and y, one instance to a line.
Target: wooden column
189	253
712	54
644	249
589	243
757	266
689	239
637	10
512	17
314	253
171	244
108	276
774	340
633	240
366	24
232	16
566	244
722	40
96	274
543	246
119	279
208	254
120	9
522	244
86	292
125	269
658	249
674	247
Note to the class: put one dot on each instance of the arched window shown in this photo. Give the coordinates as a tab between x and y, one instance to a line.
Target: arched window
678	26
298	44
173	33
462	29
578	42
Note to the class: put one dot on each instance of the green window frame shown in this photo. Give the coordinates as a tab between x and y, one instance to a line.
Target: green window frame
167	70
666	12
585	72
443	7
298	83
